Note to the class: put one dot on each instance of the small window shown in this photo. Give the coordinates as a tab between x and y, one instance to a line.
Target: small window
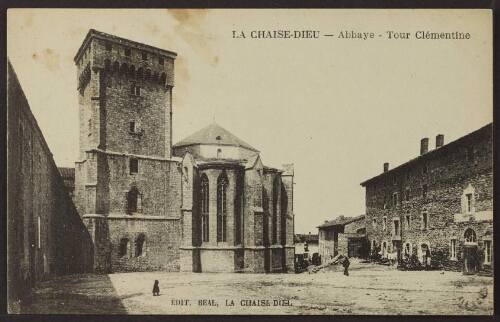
135	90
488	250
384	222
385	202
408	221
219	153
140	244
424	191
425	220
161	61
144	56
124	246
453	249
128	52
134	166
135	127
425	168
108	46
394	180
396	227
395	199
90	126
407	194
469	202
374	222
306	247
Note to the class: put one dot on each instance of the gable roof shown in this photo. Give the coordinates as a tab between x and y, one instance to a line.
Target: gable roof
341	221
208	136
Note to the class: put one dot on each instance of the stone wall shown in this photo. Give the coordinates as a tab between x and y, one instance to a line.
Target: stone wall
117	243
45	233
435	185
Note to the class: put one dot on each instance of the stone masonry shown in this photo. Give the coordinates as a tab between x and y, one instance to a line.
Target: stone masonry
432	201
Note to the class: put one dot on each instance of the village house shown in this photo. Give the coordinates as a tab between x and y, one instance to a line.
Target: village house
306	245
440	201
343	235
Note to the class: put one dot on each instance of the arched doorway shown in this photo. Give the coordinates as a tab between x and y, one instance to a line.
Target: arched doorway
470	251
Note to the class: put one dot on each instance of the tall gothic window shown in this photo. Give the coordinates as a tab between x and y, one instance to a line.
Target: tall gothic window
276	186
222	184
204	208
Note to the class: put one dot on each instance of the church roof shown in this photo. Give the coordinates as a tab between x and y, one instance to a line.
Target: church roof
209	136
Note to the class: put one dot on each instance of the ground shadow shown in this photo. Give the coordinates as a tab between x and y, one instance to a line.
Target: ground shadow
75	294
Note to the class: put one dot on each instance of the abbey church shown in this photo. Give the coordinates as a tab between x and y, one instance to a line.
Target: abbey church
205	204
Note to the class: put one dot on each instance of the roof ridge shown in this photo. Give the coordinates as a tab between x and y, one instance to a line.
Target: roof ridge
214	134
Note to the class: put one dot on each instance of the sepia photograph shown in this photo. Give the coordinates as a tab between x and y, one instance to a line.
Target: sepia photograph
250	161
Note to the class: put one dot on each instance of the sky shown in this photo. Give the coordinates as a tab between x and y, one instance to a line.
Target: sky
337	108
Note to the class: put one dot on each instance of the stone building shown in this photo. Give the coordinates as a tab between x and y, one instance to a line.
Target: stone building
307	245
45	235
206	204
342	236
440	201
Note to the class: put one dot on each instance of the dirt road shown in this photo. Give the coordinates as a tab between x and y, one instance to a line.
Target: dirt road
370	289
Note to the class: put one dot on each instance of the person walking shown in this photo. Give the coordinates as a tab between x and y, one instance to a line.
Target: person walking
346	266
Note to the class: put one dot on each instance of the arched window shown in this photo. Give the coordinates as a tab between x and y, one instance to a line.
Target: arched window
140	246
124	247
204	208
134	201
222	184
276	186
470	236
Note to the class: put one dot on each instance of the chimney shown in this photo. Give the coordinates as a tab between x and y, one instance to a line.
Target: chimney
386	166
424	145
439	140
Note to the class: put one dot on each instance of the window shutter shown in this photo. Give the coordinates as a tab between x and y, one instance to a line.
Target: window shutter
137	127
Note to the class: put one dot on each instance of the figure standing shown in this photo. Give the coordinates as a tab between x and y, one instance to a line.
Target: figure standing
346	266
156	288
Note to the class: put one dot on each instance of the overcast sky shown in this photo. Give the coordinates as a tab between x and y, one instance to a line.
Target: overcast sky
336	108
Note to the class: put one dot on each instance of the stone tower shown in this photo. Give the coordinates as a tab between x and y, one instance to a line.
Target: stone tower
124	177
125	96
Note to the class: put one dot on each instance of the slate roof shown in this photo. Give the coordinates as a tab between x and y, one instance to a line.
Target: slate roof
208	136
446	147
341	221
